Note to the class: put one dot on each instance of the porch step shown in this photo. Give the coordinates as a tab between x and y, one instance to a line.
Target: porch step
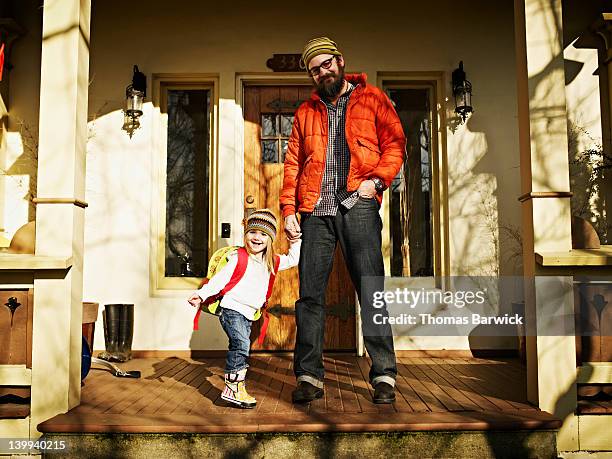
444	407
451	444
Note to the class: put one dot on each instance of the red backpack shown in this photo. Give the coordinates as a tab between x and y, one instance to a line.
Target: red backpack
211	304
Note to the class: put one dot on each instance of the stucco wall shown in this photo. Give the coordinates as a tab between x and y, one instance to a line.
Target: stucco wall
19	149
206	37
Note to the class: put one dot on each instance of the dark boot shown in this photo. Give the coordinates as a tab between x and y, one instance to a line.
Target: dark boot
306	392
126	332
383	393
111	315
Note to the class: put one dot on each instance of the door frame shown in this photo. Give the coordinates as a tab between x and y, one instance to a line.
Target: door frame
440	212
277	79
438	78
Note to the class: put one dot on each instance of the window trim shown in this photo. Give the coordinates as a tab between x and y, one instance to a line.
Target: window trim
160	285
440	215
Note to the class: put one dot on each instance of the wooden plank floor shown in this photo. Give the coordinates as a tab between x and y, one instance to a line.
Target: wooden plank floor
183	395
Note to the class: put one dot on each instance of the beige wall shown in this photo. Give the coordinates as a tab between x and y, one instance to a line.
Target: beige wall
198	37
582	91
17	154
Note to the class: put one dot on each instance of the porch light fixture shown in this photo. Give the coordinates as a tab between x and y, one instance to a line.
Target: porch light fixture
135	94
462	90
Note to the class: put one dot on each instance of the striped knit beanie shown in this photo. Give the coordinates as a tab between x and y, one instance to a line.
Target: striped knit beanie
316	46
262	220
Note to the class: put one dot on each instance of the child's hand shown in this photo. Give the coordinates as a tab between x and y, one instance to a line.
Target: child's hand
295	238
195	300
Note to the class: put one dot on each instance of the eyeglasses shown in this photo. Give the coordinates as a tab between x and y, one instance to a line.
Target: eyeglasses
326	64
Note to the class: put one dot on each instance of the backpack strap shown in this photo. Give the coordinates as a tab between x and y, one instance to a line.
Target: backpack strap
196	319
266	316
239	270
241	266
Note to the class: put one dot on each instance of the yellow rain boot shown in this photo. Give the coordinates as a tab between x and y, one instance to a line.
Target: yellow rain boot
235	390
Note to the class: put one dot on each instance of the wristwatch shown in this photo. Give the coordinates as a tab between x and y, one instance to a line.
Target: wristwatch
379	185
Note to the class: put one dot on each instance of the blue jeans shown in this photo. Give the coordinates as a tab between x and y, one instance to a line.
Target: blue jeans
238	330
358	231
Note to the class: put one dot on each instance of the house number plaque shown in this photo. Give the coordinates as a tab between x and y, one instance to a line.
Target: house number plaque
284	62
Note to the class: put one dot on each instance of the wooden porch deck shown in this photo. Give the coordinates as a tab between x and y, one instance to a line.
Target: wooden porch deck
177	395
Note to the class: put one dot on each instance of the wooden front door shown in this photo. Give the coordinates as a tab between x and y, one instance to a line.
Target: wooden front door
268	117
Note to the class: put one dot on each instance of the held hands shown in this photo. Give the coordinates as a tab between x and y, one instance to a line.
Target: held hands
195	300
367	189
292	228
294	239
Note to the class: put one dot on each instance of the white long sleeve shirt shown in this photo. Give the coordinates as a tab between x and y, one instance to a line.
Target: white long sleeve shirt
249	294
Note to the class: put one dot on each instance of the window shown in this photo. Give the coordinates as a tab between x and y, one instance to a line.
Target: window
416	207
275	133
184	216
411	234
187	178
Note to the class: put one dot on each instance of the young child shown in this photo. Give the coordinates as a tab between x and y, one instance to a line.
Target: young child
239	305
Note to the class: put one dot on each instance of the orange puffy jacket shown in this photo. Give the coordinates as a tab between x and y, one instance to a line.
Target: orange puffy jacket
375	139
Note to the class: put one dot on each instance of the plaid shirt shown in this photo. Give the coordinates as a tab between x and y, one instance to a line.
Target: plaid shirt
337	162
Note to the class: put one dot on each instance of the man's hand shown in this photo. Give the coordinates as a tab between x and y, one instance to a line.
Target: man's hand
292	227
367	189
194	300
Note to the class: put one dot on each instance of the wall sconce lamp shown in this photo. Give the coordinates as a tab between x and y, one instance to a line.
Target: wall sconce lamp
462	90
135	94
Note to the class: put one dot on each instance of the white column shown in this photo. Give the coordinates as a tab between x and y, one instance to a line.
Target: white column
551	360
56	346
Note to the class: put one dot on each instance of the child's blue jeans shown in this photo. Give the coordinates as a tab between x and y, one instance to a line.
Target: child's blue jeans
238	330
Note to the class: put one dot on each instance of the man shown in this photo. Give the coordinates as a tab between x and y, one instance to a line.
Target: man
346	147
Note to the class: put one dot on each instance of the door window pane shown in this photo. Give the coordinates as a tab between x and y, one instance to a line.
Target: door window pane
284	144
269	124
286	125
269	151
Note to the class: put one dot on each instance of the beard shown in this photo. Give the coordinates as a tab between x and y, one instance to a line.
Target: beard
331	85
